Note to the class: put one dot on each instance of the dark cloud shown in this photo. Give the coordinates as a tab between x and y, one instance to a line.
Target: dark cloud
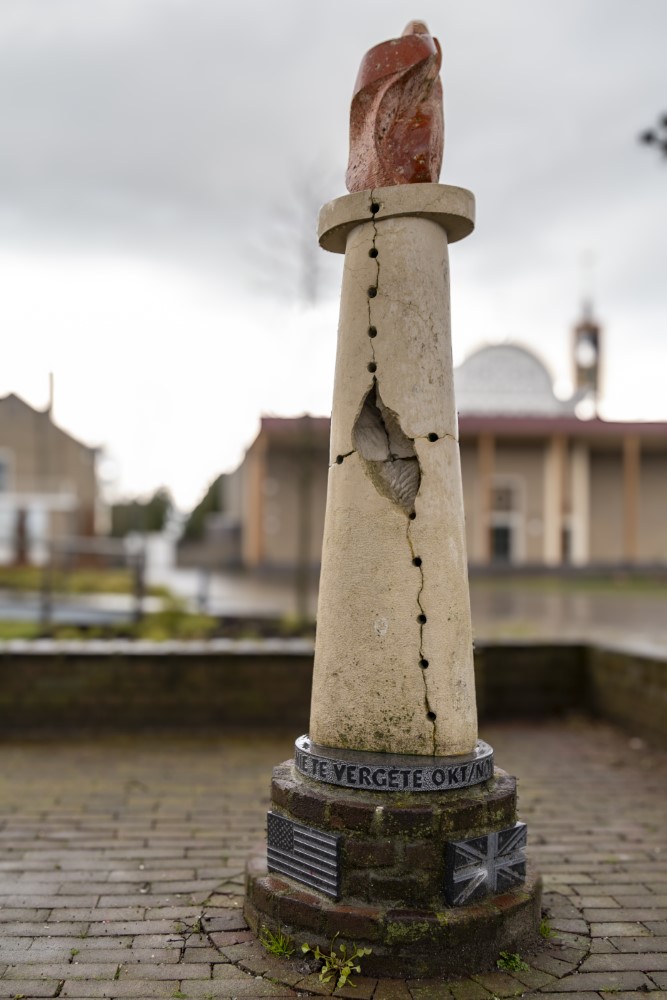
146	119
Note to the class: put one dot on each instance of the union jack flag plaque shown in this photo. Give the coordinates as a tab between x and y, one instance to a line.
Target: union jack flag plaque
493	863
304	854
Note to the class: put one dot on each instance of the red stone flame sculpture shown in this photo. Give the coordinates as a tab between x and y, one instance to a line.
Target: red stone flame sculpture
396	120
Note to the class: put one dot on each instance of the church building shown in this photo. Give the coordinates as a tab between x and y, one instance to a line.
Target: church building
546	482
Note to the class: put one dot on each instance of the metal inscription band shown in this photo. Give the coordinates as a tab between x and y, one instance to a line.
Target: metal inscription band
383	772
306	855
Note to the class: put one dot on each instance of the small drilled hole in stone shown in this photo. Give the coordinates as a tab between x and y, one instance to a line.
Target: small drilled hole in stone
432	436
372	367
412	515
431	716
423	664
340	459
375	207
421	619
416	561
372	292
372	331
373	252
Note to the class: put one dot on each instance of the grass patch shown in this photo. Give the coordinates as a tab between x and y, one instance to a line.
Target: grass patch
19	630
173	622
75	581
615	582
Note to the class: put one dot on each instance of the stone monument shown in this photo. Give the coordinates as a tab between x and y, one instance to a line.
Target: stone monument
391	827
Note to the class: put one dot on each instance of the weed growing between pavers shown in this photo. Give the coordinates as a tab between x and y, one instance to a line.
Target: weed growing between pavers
545	929
510	962
278	944
337	965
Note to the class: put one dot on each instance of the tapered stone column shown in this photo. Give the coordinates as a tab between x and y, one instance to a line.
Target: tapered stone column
393	660
392	826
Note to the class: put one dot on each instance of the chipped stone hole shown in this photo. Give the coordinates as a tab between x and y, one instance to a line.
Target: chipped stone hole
372	292
388	455
421	619
416	561
432	436
423	663
372	367
373	252
375	208
431	716
372	331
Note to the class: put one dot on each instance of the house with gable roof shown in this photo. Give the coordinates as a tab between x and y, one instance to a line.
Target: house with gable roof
48	483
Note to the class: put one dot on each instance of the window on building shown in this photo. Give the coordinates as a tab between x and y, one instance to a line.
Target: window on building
503	499
506	523
501	543
566	544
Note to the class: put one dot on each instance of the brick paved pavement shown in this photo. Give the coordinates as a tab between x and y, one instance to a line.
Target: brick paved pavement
121	868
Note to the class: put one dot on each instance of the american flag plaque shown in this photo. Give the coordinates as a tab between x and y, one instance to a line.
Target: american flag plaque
304	854
493	863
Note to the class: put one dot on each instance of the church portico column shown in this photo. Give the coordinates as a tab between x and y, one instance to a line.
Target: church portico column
580	492
631	470
486	449
554	481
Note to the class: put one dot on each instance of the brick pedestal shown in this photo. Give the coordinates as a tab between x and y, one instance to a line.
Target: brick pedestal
395	856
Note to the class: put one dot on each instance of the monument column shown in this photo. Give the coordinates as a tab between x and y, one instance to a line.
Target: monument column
393	658
392	814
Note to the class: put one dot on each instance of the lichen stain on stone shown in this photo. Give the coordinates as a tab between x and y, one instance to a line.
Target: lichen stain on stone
387	453
407	933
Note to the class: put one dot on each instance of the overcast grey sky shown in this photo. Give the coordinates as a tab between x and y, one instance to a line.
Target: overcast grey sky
158	159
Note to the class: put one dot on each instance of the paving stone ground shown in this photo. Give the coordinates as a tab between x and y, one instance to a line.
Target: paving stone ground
121	868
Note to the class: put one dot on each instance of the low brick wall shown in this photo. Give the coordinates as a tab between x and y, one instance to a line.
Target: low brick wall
520	679
154	686
125	686
628	685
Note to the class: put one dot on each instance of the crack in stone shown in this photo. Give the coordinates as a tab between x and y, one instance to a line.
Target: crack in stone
388	454
377	276
390	459
427	703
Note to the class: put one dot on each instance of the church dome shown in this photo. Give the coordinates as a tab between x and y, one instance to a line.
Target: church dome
506	379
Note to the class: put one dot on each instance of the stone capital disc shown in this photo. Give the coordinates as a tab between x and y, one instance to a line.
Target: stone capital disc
453	208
